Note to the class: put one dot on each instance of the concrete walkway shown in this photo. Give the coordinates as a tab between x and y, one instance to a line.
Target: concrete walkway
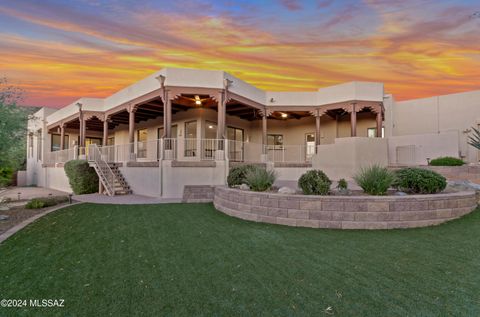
123	199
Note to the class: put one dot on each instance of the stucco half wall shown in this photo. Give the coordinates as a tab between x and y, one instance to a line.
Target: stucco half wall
347	156
417	149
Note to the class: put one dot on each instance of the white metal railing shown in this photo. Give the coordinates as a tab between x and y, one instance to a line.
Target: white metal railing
63	156
107	177
190	149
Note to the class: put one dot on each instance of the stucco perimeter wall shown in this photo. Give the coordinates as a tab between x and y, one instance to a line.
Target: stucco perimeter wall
344	212
345	157
56	178
143	180
415	149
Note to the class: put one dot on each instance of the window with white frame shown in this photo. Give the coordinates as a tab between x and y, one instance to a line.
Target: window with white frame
372	132
275	141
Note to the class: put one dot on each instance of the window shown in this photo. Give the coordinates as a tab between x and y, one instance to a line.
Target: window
275	141
210	130
111	140
173	132
142	143
55	145
310	145
30	144
190	138
39	145
372	132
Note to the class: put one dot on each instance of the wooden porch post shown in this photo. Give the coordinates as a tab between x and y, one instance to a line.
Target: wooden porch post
84	131
105	131
221	118
62	136
131	130
317	130
81	131
379	123
264	132
167	116
353	120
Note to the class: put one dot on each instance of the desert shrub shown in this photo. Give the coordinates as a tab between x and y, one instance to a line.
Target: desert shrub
6	174
374	180
314	182
260	179
342	184
447	161
37	203
236	176
82	178
419	181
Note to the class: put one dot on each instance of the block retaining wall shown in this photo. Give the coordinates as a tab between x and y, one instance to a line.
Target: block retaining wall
344	212
198	193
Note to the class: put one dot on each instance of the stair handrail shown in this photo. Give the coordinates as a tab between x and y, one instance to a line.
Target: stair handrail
107	176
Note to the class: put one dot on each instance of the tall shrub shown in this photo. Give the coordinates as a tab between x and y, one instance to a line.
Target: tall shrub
374	180
260	179
236	175
82	178
314	182
419	181
6	174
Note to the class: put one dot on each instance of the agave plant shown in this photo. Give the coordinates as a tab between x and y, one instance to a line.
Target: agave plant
474	140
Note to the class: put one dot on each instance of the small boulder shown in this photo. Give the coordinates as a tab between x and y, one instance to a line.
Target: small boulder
3	217
244	187
4	208
286	190
400	194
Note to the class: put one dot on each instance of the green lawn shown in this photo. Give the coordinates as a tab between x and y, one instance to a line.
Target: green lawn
188	259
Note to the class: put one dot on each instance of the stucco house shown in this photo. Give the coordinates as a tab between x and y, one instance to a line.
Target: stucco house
182	127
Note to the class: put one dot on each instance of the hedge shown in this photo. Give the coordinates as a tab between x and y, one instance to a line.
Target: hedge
82	178
447	161
419	181
314	182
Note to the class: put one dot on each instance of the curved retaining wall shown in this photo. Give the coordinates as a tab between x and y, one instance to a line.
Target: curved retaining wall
344	212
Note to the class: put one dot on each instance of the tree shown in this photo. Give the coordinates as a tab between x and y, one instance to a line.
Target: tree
474	140
13	127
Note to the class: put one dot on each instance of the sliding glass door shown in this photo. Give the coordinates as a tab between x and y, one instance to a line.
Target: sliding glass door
235	138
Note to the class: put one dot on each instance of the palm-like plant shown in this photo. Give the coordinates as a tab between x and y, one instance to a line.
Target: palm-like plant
474	139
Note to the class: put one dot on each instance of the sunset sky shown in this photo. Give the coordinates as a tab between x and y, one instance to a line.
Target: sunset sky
61	50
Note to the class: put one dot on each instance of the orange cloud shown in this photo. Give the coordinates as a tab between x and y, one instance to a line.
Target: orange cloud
87	55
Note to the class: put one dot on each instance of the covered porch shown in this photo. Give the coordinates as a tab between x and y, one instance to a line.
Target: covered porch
206	124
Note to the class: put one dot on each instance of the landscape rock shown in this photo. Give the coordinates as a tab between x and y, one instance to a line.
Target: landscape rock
244	187
400	194
3	217
286	190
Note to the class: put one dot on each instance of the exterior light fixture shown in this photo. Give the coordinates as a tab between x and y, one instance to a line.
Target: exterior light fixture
198	102
210	126
284	115
79	105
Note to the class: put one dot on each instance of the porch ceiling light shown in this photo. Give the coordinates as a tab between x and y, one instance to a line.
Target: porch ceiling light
284	115
197	100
